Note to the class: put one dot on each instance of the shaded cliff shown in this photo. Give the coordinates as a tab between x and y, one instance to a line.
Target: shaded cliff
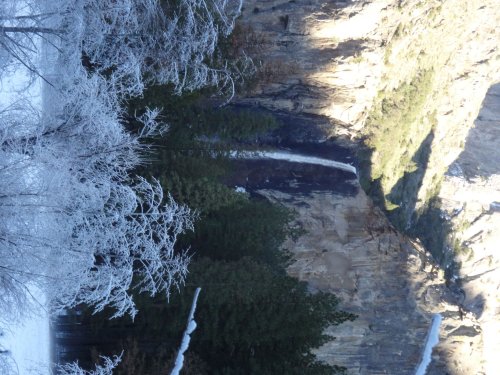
401	82
390	73
470	204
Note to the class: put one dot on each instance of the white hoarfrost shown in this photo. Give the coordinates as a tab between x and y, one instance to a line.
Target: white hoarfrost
106	369
74	223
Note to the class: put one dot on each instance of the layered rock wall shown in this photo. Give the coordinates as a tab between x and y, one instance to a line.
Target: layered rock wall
393	285
470	196
340	60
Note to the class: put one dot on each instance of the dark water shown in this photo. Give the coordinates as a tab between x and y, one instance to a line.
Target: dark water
305	134
291	178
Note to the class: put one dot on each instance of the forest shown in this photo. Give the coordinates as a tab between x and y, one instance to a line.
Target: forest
115	194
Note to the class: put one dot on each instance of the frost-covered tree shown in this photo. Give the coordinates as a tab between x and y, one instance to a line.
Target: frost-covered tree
162	41
106	369
17	193
19	27
73	218
132	41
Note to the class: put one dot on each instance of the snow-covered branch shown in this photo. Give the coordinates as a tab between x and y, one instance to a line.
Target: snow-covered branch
133	42
71	210
106	369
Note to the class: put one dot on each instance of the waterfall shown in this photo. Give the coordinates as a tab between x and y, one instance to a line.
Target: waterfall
432	340
294	158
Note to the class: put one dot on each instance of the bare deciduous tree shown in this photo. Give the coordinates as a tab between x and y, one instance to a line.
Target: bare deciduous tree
133	41
106	369
73	220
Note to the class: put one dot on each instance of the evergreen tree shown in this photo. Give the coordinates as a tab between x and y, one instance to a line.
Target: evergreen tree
251	320
246	228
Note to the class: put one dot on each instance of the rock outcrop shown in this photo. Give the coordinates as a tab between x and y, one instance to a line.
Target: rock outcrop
342	61
470	196
393	285
339	58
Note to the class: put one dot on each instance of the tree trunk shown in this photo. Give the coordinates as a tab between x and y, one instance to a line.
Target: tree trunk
29	30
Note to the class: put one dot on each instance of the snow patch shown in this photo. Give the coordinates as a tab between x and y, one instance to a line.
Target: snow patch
28	341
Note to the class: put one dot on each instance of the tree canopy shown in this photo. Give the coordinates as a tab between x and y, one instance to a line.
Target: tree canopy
76	221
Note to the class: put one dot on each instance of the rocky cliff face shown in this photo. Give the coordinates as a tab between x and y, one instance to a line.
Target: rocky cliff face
393	285
343	59
470	196
402	81
350	249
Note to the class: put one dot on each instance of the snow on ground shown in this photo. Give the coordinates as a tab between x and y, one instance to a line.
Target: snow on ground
29	340
26	339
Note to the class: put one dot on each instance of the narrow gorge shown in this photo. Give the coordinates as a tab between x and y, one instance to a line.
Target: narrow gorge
400	85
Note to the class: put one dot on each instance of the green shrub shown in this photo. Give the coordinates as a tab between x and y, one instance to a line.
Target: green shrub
396	145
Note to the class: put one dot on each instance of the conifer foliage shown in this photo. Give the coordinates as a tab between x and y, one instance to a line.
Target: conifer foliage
74	220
